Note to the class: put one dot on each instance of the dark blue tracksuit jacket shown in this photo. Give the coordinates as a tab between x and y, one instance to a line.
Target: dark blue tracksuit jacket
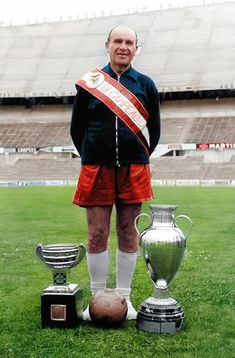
102	138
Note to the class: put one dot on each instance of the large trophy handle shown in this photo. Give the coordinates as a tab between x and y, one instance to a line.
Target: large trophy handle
190	222
137	220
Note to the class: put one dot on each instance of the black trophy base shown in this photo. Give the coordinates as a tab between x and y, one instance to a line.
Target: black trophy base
61	309
158	318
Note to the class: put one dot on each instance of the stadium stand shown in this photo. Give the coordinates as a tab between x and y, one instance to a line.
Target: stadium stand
189	52
185	168
35	128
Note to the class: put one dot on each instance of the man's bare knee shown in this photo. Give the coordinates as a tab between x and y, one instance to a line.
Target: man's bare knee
97	239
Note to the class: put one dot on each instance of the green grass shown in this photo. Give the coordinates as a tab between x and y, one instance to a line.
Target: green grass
203	284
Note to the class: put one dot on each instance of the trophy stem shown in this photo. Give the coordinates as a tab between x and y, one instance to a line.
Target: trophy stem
161	295
59	278
161	291
60	282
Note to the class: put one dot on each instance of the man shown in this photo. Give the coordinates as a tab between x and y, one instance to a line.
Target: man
111	108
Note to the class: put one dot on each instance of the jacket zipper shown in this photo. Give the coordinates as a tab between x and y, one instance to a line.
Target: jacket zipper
116	129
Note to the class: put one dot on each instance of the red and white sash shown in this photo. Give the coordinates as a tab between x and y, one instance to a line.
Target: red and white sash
119	99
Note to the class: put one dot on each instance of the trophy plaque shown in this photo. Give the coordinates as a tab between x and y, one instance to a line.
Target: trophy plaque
162	244
61	302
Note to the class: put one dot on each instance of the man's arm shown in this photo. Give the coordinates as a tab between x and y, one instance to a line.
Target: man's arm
154	123
79	118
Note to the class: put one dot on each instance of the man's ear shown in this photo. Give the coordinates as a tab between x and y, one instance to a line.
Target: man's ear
106	45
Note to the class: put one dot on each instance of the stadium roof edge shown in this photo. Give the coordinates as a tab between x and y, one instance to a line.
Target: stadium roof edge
109	13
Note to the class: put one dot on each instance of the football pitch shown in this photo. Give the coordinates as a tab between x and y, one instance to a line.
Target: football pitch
204	284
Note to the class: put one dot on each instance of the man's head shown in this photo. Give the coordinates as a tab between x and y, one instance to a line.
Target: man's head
121	46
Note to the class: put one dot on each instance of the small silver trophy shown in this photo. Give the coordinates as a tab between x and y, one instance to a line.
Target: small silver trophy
61	302
163	245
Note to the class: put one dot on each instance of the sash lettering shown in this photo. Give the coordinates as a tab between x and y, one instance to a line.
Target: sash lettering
120	100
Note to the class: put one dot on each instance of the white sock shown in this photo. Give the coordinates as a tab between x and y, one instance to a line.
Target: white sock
125	266
97	267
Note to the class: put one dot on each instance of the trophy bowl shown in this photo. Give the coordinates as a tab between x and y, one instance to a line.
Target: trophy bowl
61	302
163	244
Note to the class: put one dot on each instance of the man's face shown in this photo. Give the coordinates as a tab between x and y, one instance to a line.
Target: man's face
121	47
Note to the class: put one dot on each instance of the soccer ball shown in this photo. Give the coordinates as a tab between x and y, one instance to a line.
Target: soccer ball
108	308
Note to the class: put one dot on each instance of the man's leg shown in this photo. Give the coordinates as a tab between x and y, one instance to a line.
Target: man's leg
98	219
126	256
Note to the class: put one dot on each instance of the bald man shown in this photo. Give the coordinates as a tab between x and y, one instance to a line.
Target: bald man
115	127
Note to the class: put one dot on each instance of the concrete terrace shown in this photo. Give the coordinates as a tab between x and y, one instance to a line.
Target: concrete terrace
185	121
190	48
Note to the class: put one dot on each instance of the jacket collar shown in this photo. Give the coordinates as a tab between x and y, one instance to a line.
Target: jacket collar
131	72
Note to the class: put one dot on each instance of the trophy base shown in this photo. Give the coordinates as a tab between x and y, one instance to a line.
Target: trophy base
160	316
61	308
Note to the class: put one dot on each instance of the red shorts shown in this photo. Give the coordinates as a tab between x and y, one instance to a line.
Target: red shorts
105	185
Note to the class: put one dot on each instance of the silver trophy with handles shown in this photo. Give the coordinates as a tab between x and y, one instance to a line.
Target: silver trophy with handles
61	302
162	244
